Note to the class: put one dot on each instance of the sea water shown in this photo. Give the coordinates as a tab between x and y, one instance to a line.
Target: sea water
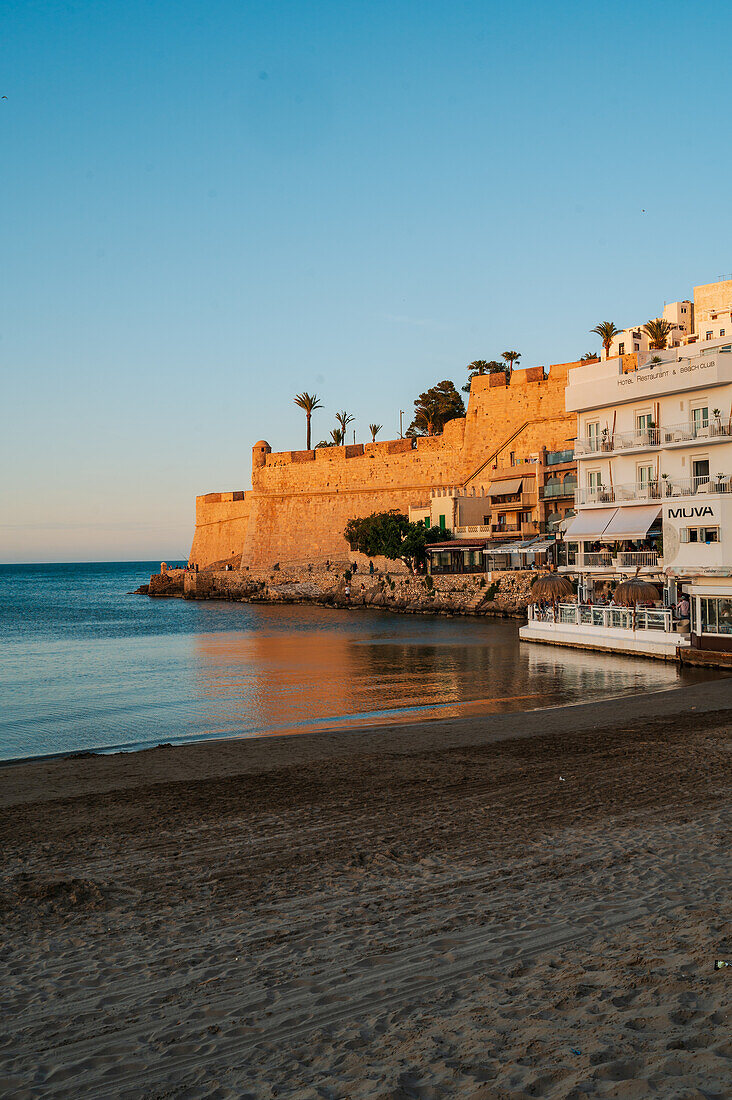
86	664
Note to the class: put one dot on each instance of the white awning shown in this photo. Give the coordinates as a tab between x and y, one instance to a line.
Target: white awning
631	523
590	524
505	488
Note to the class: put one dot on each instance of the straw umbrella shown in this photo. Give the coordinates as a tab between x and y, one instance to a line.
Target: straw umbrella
634	591
552	587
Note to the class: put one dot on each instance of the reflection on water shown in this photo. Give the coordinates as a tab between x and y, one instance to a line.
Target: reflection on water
85	665
376	668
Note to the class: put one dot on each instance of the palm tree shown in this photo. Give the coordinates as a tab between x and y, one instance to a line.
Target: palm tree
511	357
375	429
337	436
588	355
658	332
607	332
308	402
344	419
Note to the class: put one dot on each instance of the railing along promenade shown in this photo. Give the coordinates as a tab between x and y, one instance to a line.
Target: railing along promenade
572	614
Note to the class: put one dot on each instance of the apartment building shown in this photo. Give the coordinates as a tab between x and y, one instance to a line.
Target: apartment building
511	519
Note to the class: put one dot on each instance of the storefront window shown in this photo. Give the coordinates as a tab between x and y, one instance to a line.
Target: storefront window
716	615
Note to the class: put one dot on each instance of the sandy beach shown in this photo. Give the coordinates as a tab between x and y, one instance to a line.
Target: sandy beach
518	905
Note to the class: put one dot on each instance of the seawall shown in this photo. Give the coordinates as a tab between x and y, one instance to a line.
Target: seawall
467	594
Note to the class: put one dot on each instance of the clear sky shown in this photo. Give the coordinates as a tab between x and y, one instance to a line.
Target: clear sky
208	206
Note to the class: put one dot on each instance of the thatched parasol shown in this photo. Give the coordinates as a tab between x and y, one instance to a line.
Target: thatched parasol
552	587
629	593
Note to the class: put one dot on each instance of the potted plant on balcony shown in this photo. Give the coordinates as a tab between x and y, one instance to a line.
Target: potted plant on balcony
720	482
605	443
717	414
666	485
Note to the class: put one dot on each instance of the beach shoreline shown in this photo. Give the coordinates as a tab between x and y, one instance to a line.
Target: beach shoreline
509	905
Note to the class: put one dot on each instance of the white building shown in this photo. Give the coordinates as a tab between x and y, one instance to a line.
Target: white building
654	497
634	340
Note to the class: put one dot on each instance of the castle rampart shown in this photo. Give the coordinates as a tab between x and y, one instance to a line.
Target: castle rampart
301	501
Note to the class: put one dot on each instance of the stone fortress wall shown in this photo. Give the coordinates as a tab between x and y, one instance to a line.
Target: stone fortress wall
300	501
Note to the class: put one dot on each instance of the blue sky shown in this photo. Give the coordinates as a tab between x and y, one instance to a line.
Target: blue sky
209	206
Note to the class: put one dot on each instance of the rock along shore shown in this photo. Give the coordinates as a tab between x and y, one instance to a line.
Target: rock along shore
504	594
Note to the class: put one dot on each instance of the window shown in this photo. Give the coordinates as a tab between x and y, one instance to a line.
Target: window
525	517
700	470
594	482
621	349
512	458
716	615
699	534
709	335
645	477
722	332
636	347
486	521
441	522
593	435
643	422
700	418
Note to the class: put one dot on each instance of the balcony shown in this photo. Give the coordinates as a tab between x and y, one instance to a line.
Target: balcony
687	432
550	492
601	560
637	559
652	490
473	530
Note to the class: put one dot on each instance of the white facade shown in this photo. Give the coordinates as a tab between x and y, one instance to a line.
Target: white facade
635	340
654	476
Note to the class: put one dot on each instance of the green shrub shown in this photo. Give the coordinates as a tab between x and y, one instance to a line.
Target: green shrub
429	583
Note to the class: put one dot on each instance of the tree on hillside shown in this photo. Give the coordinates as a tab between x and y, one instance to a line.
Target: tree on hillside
483	366
391	535
308	402
375	429
658	332
338	436
607	332
511	357
434	408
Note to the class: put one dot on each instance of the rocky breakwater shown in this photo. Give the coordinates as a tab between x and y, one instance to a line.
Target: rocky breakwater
505	594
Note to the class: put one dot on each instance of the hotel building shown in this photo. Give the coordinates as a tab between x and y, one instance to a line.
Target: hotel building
654	497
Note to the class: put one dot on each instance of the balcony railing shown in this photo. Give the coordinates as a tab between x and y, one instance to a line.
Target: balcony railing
482	529
564	490
611	618
653	490
596	561
637	559
655	437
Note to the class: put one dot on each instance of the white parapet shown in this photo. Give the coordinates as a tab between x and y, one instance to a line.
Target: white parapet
659	644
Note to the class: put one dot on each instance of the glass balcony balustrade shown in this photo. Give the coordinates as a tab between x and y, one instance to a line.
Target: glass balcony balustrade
652	490
689	431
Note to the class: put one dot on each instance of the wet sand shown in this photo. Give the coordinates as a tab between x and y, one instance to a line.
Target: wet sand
515	905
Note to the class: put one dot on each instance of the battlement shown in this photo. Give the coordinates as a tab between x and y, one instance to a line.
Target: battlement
301	500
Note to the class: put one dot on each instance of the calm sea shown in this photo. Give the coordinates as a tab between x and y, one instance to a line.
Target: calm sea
85	664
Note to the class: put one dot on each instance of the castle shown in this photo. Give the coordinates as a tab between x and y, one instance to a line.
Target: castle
300	501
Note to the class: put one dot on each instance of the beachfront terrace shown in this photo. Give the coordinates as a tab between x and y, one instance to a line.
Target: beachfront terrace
644	631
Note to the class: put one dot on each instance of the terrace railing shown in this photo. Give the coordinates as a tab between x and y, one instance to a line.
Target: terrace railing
610	618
